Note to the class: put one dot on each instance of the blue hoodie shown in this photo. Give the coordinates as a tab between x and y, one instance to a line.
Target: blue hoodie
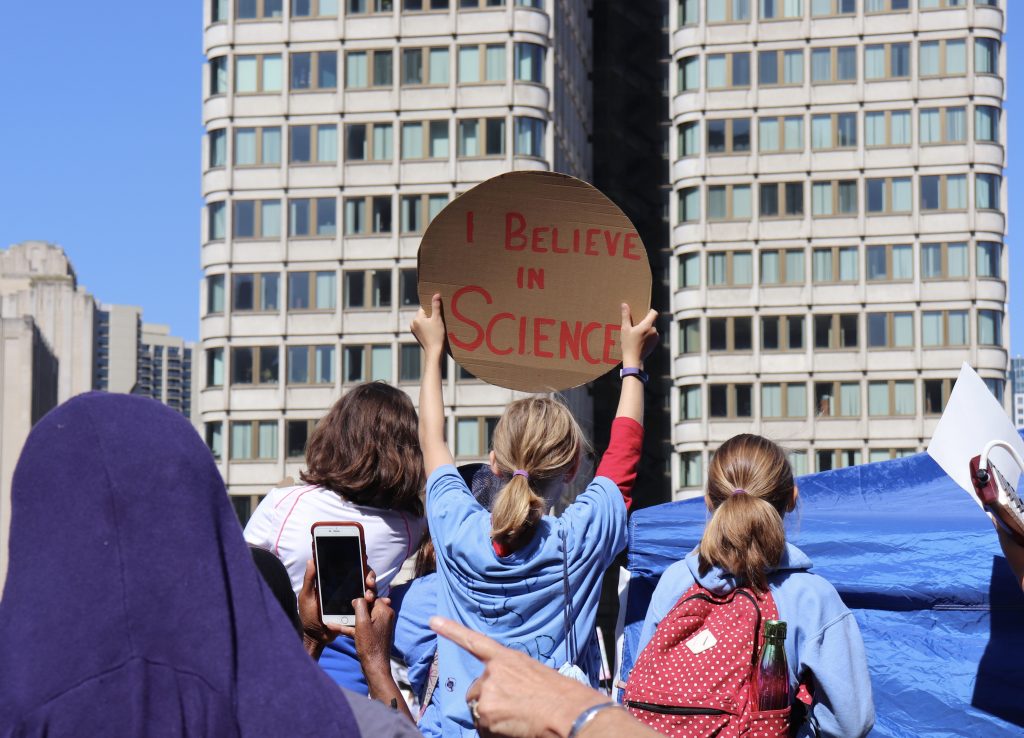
823	641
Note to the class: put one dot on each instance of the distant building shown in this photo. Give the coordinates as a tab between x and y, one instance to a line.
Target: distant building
1017	385
55	343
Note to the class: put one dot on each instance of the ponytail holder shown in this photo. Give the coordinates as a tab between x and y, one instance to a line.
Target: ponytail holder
521	473
740	491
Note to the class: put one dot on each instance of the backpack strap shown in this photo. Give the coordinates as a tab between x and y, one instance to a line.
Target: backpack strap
570	631
428	691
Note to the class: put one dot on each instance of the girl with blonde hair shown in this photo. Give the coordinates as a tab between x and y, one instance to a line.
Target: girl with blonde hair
529	580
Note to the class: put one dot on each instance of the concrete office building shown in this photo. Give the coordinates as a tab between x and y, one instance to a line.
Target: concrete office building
335	132
838	222
1017	386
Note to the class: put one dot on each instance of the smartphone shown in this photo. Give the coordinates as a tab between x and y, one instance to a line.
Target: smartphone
339	552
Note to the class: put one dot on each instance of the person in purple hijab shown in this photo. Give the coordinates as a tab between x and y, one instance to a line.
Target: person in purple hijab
132	606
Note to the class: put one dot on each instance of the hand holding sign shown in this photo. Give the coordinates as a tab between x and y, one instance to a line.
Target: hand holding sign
532	268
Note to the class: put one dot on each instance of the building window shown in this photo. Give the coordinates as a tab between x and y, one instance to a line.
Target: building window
688	15
258	9
836	332
782	267
368	289
364	69
836	131
779	9
730	136
216	221
314	8
942	58
887	61
782	333
990	331
529	139
887	128
891	398
688	74
215	294
943	260
730	269
215	438
726	71
730	400
986	123
729	334
473	436
889	263
943	125
481	137
888	195
890	330
986	56
312	291
929	4
690	474
729	202
886	6
215	367
996	387
310	364
481	63
689	271
252	219
834	64
780	67
944	328
217	143
366	364
944	192
254	440
689	139
986	191
316	216
829	459
990	258
425	139
313	144
781	200
425	66
463	4
218	11
689	402
254	292
784	400
254	365
936	395
529	62
689	336
407	286
823	8
219	75
798	461
837	399
417	6
835	264
314	70
689	204
297	433
410	362
728	11
418	211
369	142
257	73
834	198
356	221
257	146
780	134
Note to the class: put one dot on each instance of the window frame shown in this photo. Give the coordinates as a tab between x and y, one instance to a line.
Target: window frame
314	145
255	427
784	331
732	390
313	218
312	291
837	340
312	351
258	353
371	81
260	60
259	288
316	60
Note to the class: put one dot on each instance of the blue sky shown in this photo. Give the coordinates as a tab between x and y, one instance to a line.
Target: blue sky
100	134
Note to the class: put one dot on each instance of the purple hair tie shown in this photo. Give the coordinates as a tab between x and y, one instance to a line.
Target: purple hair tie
521	473
740	491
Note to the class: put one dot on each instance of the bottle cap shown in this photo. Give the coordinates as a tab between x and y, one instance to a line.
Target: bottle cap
775	629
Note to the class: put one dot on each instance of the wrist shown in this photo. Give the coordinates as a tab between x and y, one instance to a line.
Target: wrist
314	646
564	715
632	362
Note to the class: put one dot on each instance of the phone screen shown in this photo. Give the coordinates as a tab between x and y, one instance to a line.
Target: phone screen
339	572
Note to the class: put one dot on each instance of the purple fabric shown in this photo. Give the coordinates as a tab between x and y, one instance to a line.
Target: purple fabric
132	606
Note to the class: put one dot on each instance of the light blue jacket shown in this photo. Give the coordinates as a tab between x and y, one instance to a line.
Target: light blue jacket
823	642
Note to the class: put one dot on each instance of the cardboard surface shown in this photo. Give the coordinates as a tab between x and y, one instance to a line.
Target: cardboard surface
532	268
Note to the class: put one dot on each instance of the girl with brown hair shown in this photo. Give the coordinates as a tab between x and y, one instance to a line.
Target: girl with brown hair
749	491
363	464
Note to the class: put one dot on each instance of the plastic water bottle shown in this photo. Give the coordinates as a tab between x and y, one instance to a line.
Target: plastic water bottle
772	669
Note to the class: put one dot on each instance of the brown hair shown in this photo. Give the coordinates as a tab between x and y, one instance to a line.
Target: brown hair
745	534
539	436
367	450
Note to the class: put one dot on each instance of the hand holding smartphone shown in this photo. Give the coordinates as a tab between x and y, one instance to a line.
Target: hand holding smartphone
339	552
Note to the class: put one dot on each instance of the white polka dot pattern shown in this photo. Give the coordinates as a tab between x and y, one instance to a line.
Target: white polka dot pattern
697	691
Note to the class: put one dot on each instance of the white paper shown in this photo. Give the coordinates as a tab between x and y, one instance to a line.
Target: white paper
972	418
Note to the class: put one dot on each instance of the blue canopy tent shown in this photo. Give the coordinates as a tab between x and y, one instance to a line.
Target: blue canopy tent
920	566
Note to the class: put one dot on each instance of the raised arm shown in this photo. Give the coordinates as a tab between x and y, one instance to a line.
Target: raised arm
430	332
637	342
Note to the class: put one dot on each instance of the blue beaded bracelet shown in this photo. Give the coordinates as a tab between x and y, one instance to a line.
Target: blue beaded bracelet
589	714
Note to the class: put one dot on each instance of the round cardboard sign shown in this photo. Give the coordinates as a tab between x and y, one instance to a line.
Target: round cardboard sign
532	268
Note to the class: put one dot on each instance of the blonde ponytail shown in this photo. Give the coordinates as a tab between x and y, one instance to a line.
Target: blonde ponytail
750	488
538	436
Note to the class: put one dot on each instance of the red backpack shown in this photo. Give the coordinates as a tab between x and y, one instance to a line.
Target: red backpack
696	676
